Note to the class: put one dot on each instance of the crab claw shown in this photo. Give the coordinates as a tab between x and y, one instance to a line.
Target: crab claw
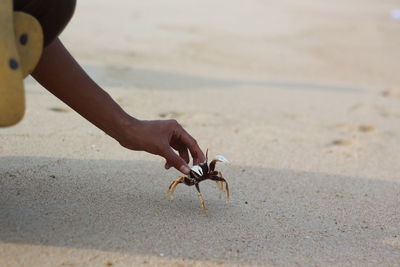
221	159
197	169
218	158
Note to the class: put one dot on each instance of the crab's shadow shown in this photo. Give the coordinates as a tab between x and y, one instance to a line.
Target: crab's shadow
121	206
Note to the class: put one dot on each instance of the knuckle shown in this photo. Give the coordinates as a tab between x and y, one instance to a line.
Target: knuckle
177	125
174	122
159	150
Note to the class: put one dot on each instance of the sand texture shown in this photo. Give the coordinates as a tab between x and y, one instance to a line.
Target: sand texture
301	96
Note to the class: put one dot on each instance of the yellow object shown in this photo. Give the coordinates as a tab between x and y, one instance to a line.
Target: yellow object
21	44
29	40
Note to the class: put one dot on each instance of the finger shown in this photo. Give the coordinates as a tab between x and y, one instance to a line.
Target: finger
183	152
175	161
191	143
181	148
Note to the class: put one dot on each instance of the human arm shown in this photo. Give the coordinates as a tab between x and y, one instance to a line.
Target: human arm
59	73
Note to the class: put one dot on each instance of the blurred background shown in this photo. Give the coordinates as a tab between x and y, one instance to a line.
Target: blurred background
303	97
290	77
349	44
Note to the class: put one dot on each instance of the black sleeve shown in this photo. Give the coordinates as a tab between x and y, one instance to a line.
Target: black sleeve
53	15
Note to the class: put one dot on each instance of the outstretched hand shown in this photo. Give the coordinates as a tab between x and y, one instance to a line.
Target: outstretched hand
162	137
59	73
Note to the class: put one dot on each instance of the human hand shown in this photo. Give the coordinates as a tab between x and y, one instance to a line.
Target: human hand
62	76
162	137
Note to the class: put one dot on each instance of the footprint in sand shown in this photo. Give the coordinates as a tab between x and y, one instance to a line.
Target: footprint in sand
384	112
341	142
393	92
347	127
356	107
198	119
343	126
171	115
366	128
60	109
296	117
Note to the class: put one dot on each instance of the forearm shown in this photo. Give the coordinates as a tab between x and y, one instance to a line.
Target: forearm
59	73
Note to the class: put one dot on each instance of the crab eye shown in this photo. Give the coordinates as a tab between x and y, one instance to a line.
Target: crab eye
221	158
197	169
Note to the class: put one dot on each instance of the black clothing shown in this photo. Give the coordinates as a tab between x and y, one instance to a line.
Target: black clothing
53	15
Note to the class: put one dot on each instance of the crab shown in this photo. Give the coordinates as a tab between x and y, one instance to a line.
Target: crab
198	173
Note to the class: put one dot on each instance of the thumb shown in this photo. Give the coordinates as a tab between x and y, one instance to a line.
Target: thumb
175	161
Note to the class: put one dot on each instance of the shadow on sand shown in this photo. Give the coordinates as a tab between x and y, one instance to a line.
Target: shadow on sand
274	215
128	77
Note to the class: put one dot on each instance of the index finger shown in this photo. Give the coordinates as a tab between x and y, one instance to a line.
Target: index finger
191	143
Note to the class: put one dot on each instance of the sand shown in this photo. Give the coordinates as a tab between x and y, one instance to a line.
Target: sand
300	96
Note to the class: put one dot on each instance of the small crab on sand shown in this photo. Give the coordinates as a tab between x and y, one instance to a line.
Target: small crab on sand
199	173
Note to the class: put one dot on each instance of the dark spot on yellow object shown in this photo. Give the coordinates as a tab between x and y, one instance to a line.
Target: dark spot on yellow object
13	63
23	39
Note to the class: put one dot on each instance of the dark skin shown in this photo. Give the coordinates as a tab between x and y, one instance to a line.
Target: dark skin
59	73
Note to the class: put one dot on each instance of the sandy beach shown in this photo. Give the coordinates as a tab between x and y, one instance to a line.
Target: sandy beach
302	97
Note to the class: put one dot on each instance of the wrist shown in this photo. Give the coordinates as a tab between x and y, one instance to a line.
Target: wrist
121	125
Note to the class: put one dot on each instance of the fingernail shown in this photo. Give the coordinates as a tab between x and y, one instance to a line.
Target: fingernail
184	169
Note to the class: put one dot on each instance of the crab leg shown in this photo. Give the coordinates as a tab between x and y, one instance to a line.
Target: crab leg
220	185
218	158
226	185
220	181
172	187
201	199
226	189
